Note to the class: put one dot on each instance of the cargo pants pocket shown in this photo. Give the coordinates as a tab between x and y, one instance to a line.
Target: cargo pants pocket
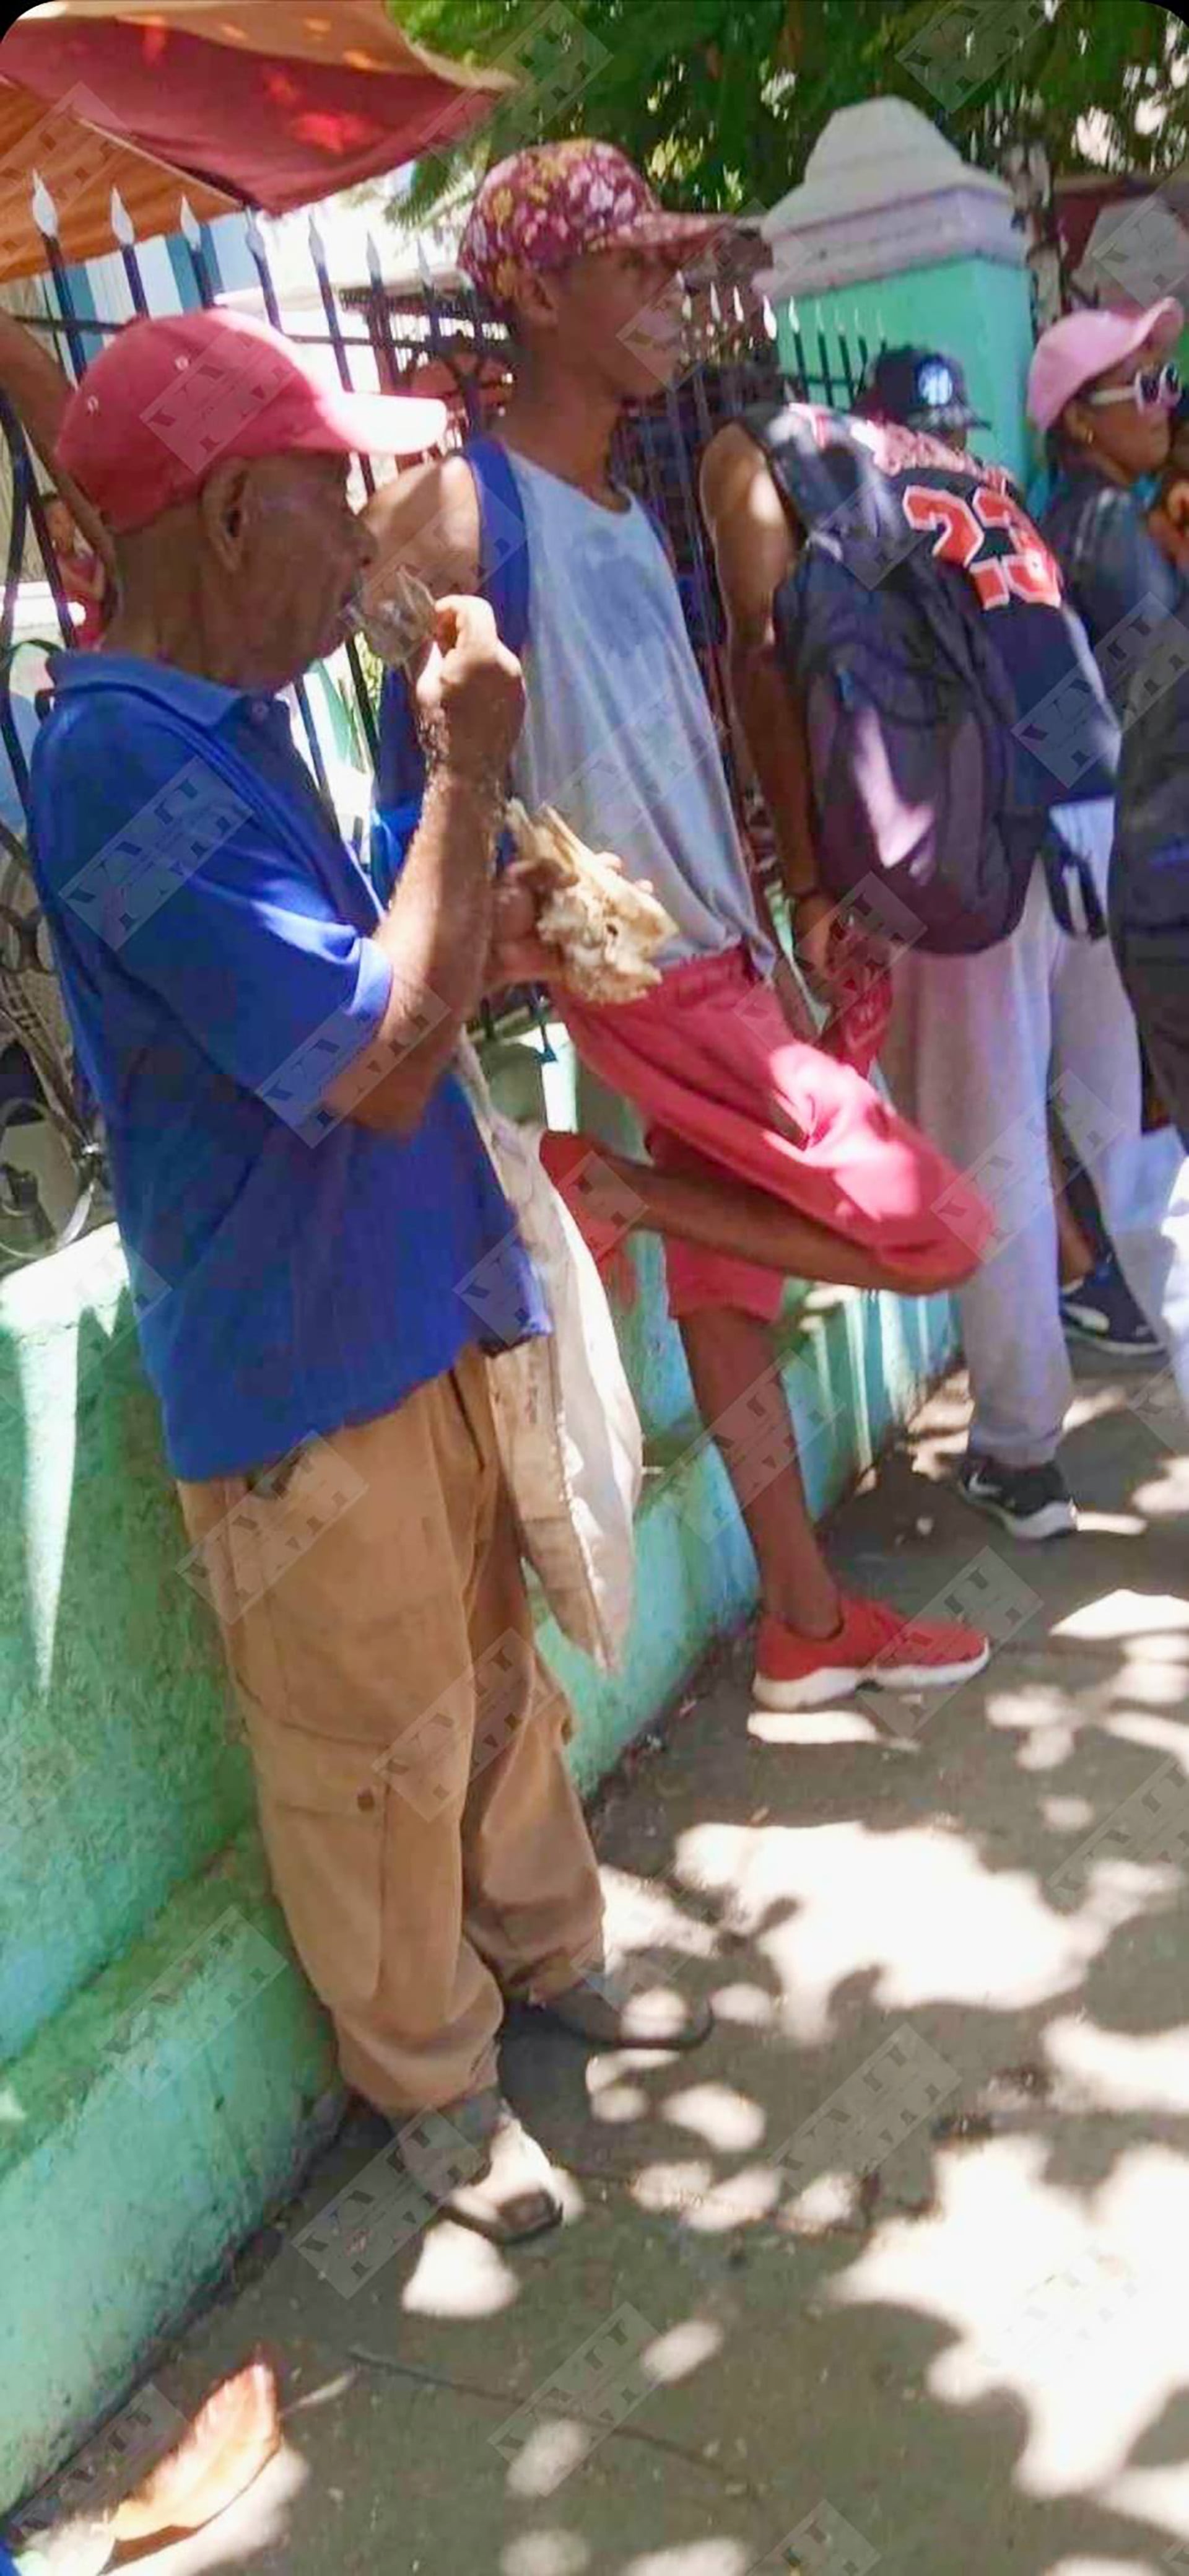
323	1808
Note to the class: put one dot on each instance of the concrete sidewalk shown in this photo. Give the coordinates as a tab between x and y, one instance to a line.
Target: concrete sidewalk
891	2274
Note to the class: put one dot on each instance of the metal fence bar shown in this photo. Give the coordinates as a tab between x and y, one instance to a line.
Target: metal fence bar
260	261
849	378
140	301
379	324
709	611
36	511
302	695
70	319
14	442
191	232
334	328
121	224
79	325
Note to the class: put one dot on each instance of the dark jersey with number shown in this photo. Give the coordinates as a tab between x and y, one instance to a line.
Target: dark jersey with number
900	504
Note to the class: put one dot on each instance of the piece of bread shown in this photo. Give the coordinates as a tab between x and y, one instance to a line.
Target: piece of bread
608	930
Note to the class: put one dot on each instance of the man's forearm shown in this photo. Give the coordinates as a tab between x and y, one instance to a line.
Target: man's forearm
436	935
39	391
774	728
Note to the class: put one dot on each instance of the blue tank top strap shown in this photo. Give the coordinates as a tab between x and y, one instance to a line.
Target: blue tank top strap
504	582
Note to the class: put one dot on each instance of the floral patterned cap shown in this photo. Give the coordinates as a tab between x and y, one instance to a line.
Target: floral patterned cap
545	206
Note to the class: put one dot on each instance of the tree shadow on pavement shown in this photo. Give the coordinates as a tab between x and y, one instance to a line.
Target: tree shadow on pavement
892	2272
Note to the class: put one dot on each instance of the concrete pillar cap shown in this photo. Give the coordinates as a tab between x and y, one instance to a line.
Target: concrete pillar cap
884	191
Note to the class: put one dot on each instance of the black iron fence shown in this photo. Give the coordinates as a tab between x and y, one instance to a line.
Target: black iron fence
430	337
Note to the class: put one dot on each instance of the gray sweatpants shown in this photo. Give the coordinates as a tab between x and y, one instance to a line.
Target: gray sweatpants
977	1048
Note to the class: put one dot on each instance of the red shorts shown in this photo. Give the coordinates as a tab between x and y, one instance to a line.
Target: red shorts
722	1084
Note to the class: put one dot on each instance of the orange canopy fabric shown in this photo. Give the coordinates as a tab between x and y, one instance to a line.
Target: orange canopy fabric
271	103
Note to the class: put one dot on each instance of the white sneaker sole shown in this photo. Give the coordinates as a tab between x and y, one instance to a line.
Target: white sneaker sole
1131	1354
818	1690
1054	1520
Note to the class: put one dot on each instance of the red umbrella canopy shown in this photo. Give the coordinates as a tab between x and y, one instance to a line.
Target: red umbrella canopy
269	103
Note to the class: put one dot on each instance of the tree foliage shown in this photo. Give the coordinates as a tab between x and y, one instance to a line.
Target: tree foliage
721	101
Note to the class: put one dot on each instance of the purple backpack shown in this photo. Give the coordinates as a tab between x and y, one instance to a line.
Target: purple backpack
925	630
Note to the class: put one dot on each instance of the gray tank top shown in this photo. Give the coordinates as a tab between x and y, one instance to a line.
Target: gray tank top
618	734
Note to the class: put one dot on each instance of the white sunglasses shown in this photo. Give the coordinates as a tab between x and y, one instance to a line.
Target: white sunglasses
1150	389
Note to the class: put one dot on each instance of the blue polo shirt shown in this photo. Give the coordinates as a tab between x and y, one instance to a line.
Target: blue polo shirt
292	1272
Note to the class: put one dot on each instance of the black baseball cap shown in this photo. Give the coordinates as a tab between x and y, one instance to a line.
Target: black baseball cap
919	388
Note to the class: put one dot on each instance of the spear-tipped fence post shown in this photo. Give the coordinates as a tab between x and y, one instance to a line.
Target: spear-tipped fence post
45	216
191	231
379	320
259	250
338	344
121	224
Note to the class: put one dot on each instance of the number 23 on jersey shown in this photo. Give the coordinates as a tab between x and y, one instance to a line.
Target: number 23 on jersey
1028	571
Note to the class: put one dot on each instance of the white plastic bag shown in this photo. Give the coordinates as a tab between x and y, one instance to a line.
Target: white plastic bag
568	1428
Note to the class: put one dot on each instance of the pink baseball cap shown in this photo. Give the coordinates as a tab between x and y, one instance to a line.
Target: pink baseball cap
167	400
1072	352
552	202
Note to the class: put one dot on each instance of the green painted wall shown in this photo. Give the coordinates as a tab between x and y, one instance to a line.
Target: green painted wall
119	1777
973	309
142	2136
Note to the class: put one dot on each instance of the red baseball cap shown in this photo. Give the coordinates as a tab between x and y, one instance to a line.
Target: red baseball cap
552	202
167	400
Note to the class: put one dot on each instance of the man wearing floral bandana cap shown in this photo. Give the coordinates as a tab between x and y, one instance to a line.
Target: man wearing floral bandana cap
540	209
768	1157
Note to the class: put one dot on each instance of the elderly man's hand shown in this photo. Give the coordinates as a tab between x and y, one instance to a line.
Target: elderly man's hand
469	692
517	954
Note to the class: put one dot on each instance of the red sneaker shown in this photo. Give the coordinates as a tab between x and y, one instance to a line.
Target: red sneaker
876	1645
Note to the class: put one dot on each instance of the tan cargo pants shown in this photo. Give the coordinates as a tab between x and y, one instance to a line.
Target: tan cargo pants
425	1838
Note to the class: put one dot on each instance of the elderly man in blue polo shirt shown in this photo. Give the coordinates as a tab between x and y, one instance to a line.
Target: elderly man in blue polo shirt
301	1190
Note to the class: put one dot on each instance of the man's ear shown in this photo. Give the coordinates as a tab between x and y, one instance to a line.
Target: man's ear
225	507
1176	504
535	300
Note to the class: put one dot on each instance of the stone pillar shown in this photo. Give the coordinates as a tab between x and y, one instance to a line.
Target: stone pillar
894	237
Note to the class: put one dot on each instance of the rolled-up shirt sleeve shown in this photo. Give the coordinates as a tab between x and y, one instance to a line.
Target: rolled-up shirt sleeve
179	877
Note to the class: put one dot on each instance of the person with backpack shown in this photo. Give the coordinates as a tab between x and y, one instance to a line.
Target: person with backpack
925	389
937	750
768	1156
304	1195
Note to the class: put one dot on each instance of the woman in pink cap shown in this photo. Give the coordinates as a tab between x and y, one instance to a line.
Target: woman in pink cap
1102	387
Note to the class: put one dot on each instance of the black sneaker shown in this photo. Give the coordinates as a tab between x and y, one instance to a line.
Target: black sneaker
1031	1502
1102	1313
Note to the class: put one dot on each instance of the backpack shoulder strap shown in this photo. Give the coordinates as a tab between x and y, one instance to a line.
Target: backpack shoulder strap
504	584
504	579
814	461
